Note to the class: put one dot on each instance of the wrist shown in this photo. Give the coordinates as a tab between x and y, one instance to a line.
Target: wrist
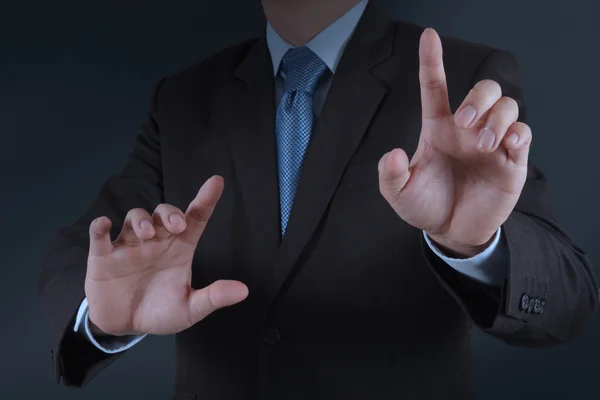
459	250
94	330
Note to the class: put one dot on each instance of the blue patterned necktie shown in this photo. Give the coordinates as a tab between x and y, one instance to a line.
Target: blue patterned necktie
301	70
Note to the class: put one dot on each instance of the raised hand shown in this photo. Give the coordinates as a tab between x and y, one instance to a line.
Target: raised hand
469	168
140	283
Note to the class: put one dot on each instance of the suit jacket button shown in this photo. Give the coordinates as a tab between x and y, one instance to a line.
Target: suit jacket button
537	306
531	304
272	336
524	305
542	306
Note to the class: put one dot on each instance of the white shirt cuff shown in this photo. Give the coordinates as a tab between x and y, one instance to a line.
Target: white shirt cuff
109	344
489	267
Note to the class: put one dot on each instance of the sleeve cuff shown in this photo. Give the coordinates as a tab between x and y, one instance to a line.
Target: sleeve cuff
489	267
110	344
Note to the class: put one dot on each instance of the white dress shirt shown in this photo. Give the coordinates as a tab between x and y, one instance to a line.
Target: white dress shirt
489	267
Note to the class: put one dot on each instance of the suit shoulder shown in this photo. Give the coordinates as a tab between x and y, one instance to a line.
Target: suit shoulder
464	61
455	48
202	76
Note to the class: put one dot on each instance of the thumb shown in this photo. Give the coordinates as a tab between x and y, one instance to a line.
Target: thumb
393	173
222	293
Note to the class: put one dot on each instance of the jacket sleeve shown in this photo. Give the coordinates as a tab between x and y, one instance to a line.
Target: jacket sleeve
61	281
550	292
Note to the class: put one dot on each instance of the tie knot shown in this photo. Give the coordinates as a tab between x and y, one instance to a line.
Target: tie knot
301	69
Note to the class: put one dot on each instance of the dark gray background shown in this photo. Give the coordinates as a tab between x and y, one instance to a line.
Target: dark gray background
75	77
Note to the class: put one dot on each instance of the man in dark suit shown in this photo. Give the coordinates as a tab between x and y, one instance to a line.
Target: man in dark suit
368	286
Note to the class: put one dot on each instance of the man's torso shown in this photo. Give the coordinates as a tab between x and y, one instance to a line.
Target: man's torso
346	305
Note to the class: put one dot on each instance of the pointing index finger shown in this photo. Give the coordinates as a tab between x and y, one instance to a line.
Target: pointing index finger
201	208
434	91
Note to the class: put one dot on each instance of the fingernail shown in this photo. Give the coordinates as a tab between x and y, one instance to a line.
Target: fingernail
145	224
513	138
175	218
466	116
486	140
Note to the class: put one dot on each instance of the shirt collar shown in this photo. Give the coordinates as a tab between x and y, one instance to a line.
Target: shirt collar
329	44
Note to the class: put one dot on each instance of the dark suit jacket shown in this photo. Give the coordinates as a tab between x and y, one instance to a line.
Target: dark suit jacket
352	304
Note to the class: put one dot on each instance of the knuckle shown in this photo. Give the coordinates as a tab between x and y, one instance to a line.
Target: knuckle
136	213
506	109
197	215
210	305
489	86
510	102
165	209
433	84
161	208
522	127
200	213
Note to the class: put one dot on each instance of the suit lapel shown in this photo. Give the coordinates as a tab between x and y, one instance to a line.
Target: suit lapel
250	134
352	101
